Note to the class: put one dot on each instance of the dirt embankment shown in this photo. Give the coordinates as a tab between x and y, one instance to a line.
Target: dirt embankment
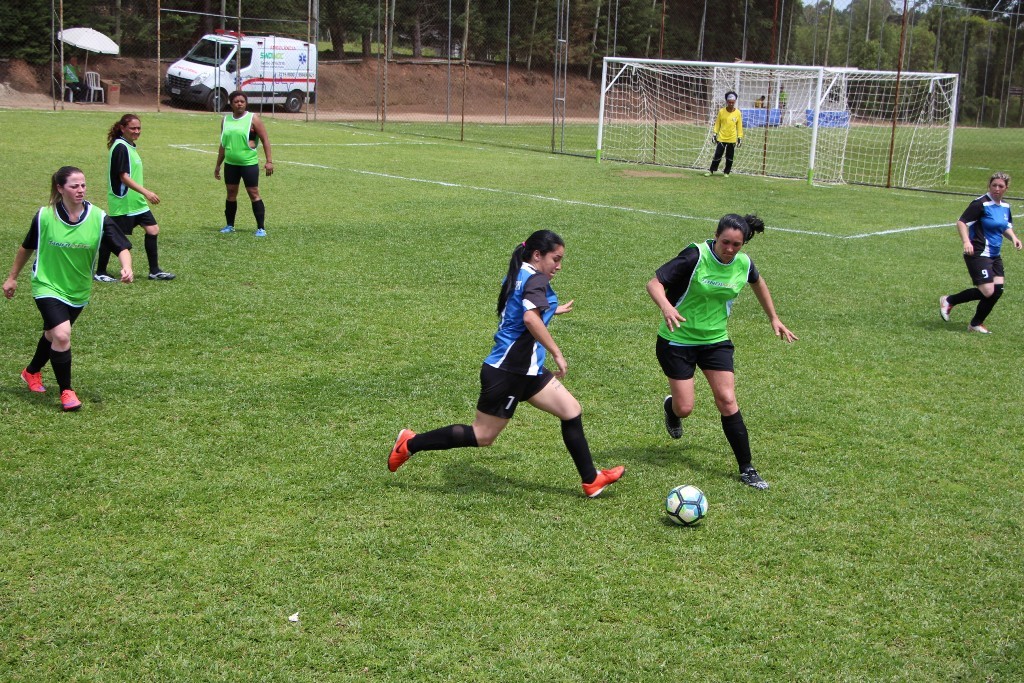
350	88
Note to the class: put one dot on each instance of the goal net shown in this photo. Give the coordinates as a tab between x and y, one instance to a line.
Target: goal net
824	124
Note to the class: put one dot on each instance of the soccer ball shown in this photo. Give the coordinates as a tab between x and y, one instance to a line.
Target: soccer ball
686	505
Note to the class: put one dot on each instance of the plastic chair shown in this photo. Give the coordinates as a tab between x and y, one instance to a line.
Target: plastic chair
59	86
93	87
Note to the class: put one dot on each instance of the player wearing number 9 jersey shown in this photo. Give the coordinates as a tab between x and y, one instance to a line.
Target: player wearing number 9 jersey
514	370
981	229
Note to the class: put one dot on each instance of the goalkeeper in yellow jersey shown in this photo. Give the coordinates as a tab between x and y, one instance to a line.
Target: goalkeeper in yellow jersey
728	134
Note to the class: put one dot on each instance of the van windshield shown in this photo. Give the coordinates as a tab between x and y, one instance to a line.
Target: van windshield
209	52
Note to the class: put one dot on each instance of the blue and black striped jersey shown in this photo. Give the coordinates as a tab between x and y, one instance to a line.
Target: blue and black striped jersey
515	349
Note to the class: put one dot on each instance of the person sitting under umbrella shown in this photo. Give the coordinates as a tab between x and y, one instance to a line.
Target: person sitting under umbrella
71	81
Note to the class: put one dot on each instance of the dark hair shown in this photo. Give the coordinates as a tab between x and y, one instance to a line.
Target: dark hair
543	241
749	225
59	180
115	131
733	93
235	94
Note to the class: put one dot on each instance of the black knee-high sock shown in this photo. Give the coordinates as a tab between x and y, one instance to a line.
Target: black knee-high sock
986	305
579	449
972	294
259	211
151	254
230	209
736	432
443	438
41	355
103	260
60	361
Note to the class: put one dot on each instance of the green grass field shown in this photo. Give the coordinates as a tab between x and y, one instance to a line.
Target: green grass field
227	469
858	155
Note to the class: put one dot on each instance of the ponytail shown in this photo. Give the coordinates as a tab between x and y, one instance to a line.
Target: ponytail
749	225
544	241
755	224
115	131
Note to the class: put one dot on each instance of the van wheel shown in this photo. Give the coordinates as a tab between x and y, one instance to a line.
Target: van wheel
293	103
216	100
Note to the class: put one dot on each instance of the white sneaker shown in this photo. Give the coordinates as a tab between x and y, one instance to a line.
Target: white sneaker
978	328
103	277
944	308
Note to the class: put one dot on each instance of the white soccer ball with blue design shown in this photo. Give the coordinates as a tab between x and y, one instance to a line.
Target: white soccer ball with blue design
686	505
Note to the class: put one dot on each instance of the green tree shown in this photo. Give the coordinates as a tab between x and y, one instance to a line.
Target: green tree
347	17
25	31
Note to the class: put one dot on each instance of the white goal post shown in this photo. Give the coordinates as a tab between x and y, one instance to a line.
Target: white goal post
830	125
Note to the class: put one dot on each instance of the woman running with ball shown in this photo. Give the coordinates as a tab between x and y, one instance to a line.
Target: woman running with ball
514	371
695	292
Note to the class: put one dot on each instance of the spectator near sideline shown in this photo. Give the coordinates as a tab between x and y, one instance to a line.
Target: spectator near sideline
728	134
982	227
71	80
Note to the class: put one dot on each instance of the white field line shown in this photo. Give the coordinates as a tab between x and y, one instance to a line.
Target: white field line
559	200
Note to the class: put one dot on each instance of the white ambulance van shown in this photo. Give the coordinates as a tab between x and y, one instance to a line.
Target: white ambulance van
268	69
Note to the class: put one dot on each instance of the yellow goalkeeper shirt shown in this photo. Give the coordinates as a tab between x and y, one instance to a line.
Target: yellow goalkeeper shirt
729	125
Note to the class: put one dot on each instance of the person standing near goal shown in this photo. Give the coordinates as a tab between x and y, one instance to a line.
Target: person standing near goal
241	160
514	370
65	236
727	134
982	227
127	199
695	292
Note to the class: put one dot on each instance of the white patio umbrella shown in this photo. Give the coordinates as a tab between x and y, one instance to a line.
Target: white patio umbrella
90	40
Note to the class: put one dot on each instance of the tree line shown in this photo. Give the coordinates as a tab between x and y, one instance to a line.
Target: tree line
975	38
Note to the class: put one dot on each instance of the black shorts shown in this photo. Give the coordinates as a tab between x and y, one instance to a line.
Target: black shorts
250	175
55	312
128	223
983	269
501	391
680	362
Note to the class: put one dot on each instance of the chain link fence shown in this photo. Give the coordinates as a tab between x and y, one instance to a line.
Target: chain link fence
524	73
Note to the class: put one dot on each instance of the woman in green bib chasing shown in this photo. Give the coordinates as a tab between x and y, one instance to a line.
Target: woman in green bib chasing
240	133
65	236
695	292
